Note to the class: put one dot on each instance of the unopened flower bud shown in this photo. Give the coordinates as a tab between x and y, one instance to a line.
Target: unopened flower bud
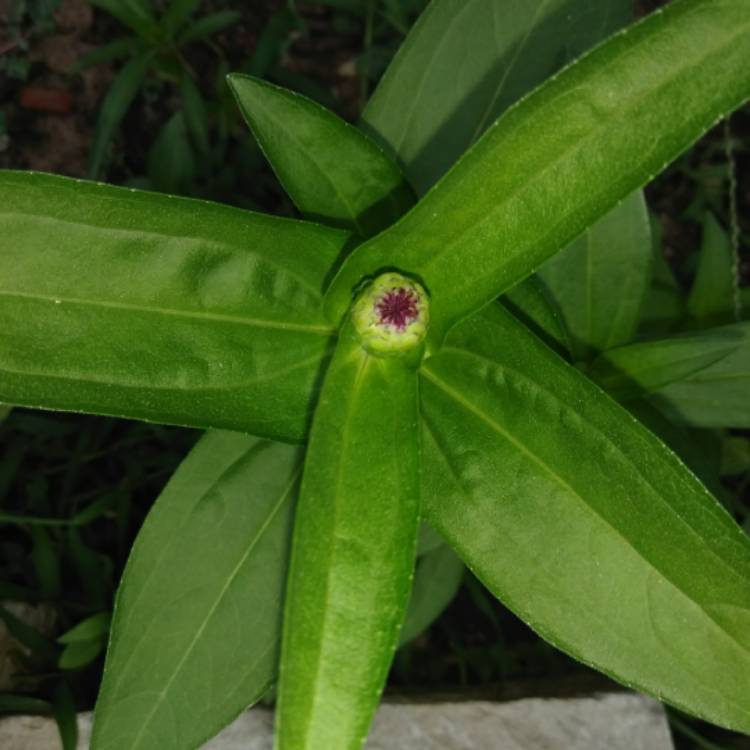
391	314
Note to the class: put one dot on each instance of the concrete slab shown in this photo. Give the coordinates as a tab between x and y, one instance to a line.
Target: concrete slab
608	721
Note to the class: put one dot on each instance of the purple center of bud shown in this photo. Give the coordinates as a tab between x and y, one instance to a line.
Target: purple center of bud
398	308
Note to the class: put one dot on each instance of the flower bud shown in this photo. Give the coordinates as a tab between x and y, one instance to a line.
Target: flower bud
391	314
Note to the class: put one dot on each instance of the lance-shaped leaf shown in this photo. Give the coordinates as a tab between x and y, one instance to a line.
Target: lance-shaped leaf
243	477
353	551
171	166
697	449
196	629
332	171
137	14
436	581
718	395
177	13
562	157
582	522
711	299
114	107
465	62
663	306
531	304
208	26
629	371
117	48
600	281
141	305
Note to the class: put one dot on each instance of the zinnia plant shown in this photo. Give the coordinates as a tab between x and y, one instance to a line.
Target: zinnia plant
393	359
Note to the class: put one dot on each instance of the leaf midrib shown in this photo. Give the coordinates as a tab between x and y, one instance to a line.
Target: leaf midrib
206	243
151	386
354	394
191	314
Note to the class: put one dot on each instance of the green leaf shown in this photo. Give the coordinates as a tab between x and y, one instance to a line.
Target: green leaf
664	304
95	509
23	704
168	67
465	62
332	171
696	448
80	654
196	117
28	636
137	14
160	308
208	26
198	614
711	299
583	523
64	710
436	581
116	104
531	304
525	190
600	281
635	369
171	162
116	49
353	551
178	12
20	519
427	539
717	396
92	627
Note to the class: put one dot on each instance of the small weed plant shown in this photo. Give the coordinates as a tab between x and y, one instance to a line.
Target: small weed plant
155	46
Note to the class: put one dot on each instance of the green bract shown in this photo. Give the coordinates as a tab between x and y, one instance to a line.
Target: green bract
571	511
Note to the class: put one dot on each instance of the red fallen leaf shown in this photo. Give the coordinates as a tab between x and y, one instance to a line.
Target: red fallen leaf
51	101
